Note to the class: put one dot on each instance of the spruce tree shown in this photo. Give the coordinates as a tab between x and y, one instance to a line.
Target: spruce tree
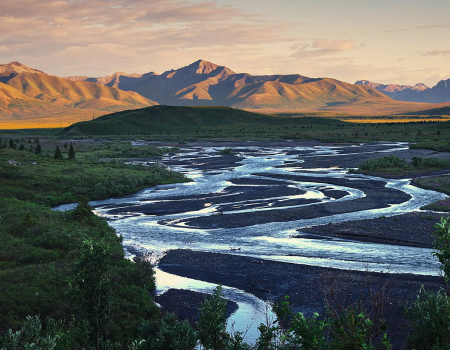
58	154
71	152
38	149
21	147
12	145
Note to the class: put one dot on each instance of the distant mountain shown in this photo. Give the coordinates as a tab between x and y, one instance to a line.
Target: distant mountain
35	91
10	70
27	92
417	93
206	83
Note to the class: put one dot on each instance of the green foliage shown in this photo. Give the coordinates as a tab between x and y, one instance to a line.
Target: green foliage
435	162
441	244
71	154
347	329
310	333
167	333
58	154
436	183
41	248
83	210
91	290
429	321
143	274
52	183
212	324
353	330
430	162
30	337
416	161
393	163
385	162
226	151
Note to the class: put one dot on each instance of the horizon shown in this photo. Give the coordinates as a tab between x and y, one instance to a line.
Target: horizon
384	42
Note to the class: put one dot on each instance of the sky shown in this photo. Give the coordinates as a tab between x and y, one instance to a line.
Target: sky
384	41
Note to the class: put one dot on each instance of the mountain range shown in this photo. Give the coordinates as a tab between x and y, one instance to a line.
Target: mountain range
27	93
417	93
206	83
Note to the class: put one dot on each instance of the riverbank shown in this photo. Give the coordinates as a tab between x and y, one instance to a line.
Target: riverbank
308	287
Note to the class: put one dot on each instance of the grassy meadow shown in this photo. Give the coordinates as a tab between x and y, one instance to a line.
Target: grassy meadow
40	247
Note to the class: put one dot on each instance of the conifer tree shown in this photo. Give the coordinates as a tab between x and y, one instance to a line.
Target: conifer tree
38	149
71	152
12	145
21	147
58	154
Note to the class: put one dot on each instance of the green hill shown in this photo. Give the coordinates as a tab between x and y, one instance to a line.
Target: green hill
208	121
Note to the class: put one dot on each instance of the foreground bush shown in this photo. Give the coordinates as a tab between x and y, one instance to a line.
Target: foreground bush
429	320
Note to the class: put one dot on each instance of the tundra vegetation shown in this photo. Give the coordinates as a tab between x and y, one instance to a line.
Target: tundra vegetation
65	283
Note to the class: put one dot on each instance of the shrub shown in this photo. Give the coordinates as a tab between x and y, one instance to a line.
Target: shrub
71	152
429	320
226	151
57	154
416	161
442	247
435	162
212	323
168	333
385	162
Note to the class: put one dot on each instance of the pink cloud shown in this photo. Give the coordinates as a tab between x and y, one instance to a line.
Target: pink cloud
445	53
325	47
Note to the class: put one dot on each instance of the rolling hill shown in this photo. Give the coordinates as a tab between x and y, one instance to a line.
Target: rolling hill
166	120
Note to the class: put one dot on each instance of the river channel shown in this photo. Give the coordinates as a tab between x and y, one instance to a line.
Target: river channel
257	203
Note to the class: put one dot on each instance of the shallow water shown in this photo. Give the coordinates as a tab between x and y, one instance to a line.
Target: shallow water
251	311
271	240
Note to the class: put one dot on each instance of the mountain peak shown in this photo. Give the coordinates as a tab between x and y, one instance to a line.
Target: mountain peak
205	67
14	68
421	86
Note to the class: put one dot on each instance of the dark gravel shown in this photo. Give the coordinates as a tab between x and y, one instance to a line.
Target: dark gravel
413	229
186	304
308	287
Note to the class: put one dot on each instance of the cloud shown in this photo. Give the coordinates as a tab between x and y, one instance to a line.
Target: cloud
445	53
435	26
55	35
325	47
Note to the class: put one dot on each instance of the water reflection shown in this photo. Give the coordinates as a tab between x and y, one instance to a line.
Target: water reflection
270	240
